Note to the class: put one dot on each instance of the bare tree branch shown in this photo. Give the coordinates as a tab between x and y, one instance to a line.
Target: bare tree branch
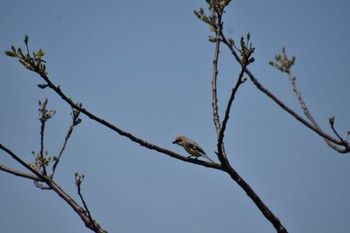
345	140
52	185
302	103
19	173
307	113
256	199
299	118
42	131
225	166
260	87
78	209
75	121
121	132
220	145
36	64
20	161
42	147
228	109
215	76
78	181
246	51
218	8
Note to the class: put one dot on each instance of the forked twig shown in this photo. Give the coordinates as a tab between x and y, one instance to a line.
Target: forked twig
335	142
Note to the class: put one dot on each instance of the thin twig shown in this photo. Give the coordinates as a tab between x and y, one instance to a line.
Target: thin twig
347	135
42	133
78	183
337	134
228	108
215	76
19	173
69	133
302	103
221	147
61	151
42	130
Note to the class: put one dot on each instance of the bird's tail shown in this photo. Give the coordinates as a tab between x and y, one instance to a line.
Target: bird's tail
206	156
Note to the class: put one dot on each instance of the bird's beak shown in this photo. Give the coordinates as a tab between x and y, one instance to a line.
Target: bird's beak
175	142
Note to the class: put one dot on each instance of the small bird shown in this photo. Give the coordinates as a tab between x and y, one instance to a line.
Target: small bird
191	147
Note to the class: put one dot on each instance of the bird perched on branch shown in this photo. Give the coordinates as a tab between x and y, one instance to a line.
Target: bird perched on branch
191	147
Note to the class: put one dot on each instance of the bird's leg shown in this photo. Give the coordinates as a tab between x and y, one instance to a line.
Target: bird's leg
191	157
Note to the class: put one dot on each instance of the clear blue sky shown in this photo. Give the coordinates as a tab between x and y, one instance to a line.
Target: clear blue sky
146	67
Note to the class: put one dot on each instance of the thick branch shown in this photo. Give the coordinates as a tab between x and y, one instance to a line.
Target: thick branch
255	198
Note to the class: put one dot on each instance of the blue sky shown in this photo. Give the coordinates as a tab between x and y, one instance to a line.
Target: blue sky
146	67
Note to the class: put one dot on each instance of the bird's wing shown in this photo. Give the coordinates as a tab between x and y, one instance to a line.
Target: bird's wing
196	146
